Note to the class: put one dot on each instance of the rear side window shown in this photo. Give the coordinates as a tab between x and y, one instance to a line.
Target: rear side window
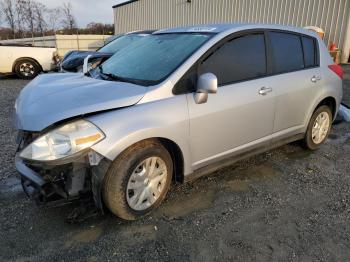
309	47
239	59
287	52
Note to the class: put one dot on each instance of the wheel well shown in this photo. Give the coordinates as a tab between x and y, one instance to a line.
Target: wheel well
174	151
177	157
330	102
25	58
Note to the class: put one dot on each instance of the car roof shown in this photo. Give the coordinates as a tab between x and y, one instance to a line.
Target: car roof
148	32
225	27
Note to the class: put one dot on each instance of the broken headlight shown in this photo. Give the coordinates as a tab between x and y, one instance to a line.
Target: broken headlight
63	141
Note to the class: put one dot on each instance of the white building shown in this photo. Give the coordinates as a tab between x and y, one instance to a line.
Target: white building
331	15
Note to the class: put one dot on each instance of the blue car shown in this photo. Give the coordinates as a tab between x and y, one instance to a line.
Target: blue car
73	61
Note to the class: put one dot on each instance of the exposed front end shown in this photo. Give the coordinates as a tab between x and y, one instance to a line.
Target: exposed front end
58	165
47	183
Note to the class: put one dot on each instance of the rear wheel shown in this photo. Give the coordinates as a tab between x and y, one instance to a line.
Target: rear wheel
27	69
138	180
319	127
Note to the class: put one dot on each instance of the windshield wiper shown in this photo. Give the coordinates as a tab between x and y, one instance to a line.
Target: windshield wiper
112	76
116	78
122	79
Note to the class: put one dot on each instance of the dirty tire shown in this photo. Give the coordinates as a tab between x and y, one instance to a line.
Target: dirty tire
27	69
308	141
117	178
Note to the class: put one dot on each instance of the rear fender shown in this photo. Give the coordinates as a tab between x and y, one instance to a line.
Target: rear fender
326	92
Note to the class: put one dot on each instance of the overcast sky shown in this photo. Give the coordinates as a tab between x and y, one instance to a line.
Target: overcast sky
86	11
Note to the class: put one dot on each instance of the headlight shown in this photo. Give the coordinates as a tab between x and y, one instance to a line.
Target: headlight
63	141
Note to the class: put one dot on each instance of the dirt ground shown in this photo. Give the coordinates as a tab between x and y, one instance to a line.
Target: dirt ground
284	205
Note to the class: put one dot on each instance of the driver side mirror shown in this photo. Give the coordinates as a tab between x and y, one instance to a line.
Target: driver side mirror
206	84
85	65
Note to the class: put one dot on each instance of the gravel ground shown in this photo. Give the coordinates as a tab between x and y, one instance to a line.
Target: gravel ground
287	205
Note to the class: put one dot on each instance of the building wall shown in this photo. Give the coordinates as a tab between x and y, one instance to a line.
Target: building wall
331	15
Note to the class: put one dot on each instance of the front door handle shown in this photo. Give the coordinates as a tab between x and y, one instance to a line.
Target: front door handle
264	90
314	79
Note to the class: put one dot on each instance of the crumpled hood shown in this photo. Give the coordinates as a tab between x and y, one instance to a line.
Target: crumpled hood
75	59
73	54
54	97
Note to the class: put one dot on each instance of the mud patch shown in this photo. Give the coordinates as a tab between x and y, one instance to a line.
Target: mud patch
347	141
187	204
333	136
10	185
299	153
84	237
138	233
92	259
261	172
240	182
237	185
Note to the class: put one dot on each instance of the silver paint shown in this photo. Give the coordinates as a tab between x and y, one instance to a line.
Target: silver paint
236	119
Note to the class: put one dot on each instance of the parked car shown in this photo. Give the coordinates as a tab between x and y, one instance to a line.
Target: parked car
111	38
26	61
171	107
73	61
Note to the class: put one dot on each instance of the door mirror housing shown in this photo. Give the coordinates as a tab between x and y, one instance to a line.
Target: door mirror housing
207	84
85	65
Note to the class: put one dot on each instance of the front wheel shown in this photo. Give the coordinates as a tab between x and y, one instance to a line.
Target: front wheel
27	69
138	180
319	127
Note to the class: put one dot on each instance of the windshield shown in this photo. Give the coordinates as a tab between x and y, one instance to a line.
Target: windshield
153	57
120	43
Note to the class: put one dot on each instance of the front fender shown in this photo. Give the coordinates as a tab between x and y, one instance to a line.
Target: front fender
167	118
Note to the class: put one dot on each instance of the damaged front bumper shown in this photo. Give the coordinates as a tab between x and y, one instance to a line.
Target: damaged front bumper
64	181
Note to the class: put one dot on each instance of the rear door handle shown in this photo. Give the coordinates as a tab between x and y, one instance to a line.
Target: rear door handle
314	79
264	90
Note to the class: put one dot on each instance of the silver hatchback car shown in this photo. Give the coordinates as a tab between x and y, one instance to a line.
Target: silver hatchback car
171	107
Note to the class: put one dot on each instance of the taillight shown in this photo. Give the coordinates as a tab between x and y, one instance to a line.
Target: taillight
55	57
337	69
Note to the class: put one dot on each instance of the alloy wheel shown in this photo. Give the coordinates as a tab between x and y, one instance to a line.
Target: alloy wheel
320	128
27	69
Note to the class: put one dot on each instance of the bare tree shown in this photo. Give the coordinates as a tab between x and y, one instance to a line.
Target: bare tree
24	17
9	11
53	18
39	14
20	17
1	15
28	11
96	28
68	20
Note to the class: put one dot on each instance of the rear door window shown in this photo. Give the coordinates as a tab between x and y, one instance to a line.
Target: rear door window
309	47
287	52
242	58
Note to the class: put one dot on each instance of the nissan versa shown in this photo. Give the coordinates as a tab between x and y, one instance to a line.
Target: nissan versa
170	107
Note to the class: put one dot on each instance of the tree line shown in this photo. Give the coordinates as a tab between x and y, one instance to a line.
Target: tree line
29	18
